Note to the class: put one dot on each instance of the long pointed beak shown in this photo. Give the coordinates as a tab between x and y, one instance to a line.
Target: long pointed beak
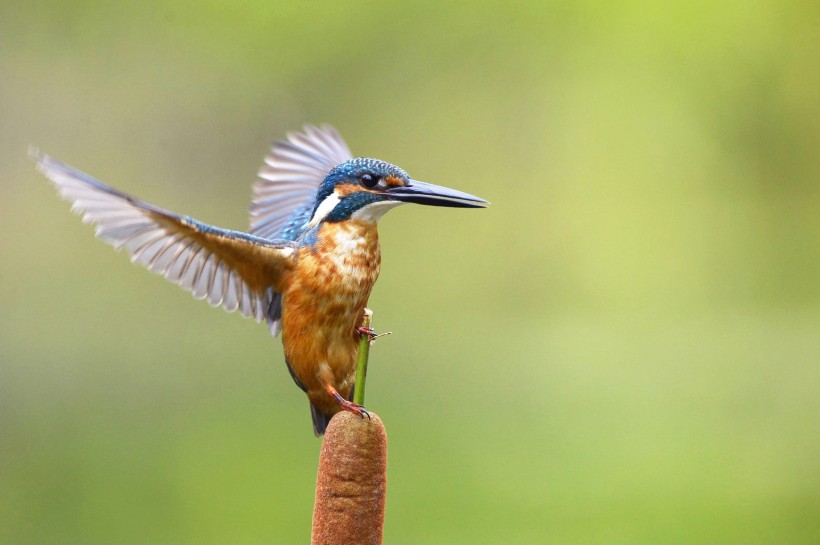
435	195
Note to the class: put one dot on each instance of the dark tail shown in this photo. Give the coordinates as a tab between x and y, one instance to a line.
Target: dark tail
320	420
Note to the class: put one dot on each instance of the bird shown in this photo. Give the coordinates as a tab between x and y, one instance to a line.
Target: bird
307	265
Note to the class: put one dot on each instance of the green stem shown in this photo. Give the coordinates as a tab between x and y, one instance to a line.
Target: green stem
361	366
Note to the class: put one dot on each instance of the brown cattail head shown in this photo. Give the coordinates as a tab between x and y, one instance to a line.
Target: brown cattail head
352	482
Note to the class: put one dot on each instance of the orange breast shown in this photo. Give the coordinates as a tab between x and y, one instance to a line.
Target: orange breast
323	304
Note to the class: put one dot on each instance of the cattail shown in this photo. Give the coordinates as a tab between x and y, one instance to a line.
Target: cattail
352	482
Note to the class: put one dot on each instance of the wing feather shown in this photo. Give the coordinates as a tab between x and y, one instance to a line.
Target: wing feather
289	177
228	268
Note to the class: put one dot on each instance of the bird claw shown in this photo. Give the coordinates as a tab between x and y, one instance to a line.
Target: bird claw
354	408
346	405
371	333
367	331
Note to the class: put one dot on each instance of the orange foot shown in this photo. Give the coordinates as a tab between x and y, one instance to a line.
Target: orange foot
370	332
347	405
367	331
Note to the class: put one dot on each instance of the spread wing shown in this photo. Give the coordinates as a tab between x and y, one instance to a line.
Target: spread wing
283	197
228	268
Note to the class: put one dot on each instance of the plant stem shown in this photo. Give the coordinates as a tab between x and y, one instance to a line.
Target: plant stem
364	353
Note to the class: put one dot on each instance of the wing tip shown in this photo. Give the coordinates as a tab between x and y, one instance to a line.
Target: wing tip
49	167
40	159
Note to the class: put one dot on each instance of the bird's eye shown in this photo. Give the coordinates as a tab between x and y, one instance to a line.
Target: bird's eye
368	180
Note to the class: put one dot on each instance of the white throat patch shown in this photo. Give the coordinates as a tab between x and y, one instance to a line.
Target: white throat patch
374	211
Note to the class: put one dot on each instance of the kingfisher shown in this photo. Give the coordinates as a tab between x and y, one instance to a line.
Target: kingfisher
306	267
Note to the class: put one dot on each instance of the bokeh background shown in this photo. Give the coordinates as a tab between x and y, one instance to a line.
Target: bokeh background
624	348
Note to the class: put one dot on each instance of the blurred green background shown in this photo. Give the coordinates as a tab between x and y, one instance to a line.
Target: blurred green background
624	348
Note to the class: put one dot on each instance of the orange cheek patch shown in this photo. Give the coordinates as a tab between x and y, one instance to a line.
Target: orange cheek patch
393	181
346	189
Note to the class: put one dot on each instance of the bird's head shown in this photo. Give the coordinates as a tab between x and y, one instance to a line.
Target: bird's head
365	189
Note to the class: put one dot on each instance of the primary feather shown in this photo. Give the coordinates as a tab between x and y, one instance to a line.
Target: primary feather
228	268
284	195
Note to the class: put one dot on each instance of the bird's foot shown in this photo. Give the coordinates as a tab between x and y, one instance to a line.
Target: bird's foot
369	331
346	405
365	331
349	406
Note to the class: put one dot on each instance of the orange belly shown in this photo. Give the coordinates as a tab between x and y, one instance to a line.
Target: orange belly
322	305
